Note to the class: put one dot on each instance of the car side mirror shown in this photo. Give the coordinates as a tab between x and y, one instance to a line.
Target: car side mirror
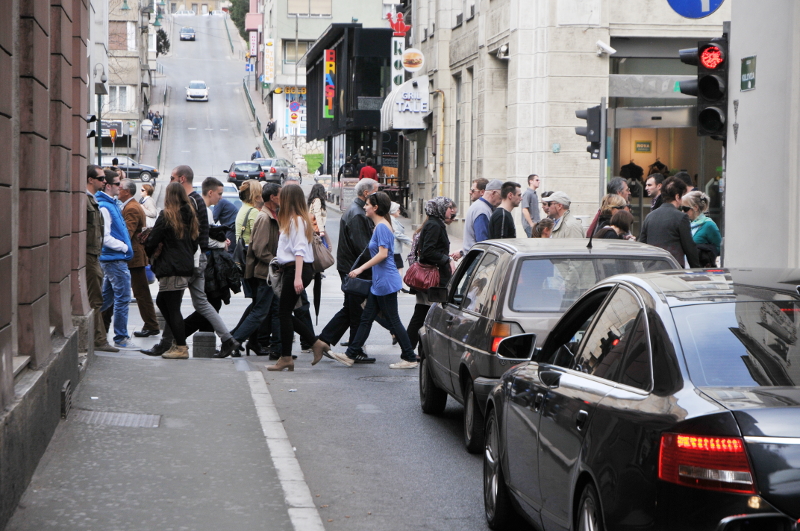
518	347
225	171
437	294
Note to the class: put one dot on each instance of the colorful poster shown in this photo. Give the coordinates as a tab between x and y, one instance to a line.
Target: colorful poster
330	84
295	114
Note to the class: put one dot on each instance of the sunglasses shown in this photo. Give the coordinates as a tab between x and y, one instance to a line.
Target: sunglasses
685	208
617	207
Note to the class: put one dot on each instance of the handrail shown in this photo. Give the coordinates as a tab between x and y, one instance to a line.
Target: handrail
229	33
160	140
249	99
264	139
267	145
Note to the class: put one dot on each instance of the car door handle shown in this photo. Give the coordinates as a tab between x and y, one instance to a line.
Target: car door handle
581	418
537	402
450	319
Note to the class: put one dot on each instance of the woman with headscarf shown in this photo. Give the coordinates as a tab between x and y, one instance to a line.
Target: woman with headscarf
432	246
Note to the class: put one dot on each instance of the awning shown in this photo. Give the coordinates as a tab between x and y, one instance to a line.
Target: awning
405	109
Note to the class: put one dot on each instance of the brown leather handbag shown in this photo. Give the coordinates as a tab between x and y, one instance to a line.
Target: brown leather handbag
422	276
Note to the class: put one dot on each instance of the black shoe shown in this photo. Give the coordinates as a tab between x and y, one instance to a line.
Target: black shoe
146	333
361	358
394	339
157	350
231	348
255	348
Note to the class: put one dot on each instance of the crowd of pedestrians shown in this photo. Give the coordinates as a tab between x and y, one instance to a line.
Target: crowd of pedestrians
268	248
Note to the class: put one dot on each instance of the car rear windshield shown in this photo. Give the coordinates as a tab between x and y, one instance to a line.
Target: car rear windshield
741	344
197	85
187	30
553	284
246	167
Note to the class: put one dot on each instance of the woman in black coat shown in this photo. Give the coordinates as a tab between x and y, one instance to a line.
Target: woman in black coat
171	246
432	247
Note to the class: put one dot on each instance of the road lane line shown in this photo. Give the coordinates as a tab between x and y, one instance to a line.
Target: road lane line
301	507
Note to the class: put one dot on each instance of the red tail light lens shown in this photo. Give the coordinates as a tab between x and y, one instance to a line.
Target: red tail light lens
232	175
714	463
272	170
261	174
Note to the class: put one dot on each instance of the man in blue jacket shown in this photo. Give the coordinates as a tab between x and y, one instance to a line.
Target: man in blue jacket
114	256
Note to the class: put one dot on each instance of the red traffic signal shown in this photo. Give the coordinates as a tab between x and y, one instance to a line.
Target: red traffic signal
712	57
710	85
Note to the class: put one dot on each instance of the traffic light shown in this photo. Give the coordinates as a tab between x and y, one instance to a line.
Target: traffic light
592	130
710	87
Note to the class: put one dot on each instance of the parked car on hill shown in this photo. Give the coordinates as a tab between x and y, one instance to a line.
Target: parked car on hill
278	169
133	170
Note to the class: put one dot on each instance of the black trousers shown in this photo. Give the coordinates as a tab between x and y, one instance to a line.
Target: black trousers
169	302
416	322
289	322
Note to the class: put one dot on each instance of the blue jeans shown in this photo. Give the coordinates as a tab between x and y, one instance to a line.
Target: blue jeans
388	305
117	293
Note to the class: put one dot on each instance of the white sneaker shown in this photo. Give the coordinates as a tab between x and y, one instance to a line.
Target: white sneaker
342	358
403	364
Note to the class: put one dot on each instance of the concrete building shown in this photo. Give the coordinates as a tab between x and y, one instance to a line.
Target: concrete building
129	74
508	75
763	136
44	99
286	30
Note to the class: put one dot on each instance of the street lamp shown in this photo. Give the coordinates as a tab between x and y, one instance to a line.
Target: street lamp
103	79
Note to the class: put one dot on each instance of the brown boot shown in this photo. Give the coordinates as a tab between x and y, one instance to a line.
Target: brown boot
177	352
286	362
319	348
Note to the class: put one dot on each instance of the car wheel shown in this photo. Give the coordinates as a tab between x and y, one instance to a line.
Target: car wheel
473	421
145	177
590	516
431	398
496	500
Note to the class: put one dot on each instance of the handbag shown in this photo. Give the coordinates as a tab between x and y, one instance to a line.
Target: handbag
323	258
398	261
422	276
240	252
356	286
275	276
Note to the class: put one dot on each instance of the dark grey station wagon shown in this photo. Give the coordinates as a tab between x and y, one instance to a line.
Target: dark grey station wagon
503	288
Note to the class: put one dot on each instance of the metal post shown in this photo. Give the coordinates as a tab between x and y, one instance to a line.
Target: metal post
296	67
603	142
99	131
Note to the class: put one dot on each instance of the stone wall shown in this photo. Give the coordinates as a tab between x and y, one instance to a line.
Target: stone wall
43	104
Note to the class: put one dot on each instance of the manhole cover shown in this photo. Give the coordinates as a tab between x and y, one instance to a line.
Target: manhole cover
387	379
126	420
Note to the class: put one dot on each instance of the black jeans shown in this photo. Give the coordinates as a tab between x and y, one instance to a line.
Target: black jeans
416	322
348	317
289	322
388	305
258	310
169	302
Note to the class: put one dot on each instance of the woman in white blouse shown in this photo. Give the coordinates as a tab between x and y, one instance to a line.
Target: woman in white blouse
149	205
296	258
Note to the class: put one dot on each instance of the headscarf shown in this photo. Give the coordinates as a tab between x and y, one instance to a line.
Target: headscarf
437	207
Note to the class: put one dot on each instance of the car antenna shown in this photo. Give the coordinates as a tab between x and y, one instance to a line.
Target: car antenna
590	241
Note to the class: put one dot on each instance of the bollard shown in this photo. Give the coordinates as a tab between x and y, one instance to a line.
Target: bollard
204	344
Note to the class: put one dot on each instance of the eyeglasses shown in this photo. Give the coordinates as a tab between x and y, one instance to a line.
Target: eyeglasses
685	208
114	184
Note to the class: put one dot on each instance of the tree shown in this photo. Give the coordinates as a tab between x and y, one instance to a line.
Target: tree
239	9
162	42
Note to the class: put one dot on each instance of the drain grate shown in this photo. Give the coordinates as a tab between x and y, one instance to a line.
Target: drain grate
126	420
388	379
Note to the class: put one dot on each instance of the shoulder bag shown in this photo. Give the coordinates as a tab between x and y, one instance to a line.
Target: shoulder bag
240	251
421	276
323	258
356	286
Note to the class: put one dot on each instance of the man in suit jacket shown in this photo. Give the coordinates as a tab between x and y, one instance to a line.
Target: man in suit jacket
135	219
669	228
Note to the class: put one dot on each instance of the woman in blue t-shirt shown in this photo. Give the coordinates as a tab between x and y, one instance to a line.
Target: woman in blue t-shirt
386	282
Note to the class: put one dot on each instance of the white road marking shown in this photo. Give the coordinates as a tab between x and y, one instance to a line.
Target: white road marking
302	509
192	128
209	129
223	129
185	151
368	408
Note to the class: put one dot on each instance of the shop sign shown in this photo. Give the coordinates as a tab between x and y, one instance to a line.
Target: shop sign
269	62
253	43
748	73
643	146
330	86
406	107
413	60
398	72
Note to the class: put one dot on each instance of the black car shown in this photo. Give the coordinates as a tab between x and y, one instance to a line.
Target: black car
133	170
666	400
187	34
242	170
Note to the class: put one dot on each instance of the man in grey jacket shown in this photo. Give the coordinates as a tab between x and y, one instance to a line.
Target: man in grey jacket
476	223
566	225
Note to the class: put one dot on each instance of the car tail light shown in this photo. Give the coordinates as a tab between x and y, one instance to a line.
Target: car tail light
261	174
714	463
232	175
272	170
500	331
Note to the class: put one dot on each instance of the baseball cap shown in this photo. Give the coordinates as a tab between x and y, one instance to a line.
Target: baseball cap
494	184
559	197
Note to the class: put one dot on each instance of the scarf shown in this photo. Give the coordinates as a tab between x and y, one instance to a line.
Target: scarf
437	207
698	222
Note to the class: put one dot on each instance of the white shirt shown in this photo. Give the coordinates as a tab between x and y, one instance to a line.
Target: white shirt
295	244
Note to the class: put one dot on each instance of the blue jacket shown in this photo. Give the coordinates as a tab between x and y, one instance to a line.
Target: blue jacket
119	229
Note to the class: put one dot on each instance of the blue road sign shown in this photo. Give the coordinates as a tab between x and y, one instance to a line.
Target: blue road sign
249	68
695	8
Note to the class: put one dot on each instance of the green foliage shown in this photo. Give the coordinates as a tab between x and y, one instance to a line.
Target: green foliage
239	9
162	42
313	160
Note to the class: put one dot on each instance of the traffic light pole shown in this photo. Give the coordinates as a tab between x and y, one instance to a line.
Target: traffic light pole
603	133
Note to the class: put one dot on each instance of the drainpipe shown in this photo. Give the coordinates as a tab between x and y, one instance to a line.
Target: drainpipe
441	140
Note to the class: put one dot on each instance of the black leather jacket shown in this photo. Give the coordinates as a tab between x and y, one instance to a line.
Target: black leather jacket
355	231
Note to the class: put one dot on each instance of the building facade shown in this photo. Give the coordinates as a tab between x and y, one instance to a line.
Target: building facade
507	76
44	95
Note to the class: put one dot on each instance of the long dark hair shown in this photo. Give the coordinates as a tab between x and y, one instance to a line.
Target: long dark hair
382	203
317	192
173	203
